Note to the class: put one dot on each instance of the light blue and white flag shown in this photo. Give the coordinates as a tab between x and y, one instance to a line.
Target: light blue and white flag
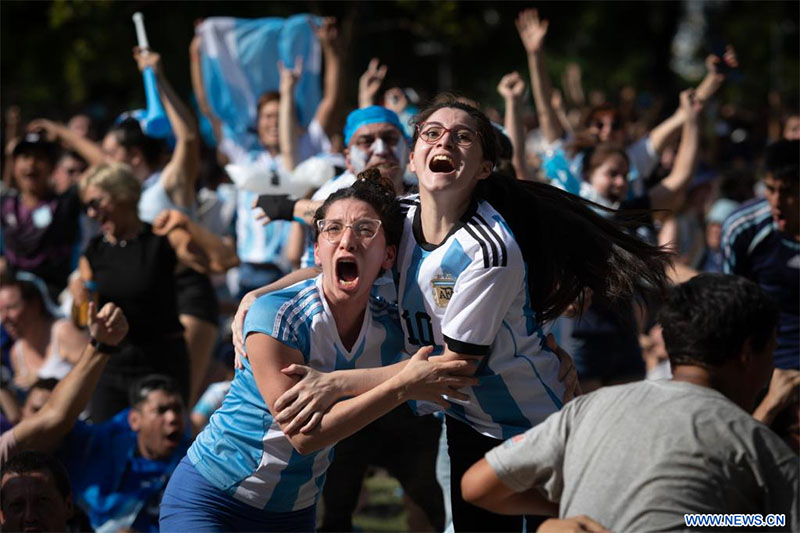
239	62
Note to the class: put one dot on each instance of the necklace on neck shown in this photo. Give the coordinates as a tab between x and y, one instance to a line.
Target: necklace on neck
122	243
129	236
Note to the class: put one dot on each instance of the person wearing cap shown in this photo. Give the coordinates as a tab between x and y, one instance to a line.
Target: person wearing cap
375	138
39	226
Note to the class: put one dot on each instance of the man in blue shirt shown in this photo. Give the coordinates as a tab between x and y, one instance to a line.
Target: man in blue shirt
120	468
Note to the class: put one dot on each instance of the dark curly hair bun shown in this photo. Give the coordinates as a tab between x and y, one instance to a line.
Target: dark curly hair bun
373	179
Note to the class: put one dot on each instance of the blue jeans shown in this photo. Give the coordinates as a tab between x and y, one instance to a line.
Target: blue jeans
191	503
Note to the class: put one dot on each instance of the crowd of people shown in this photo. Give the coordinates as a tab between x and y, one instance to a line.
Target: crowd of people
572	319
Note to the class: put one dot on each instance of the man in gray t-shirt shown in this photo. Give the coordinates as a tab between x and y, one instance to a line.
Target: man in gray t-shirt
638	457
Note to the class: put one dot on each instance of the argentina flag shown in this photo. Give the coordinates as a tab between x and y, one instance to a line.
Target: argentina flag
239	62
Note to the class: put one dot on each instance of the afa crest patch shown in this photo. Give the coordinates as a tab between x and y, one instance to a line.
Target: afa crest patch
443	289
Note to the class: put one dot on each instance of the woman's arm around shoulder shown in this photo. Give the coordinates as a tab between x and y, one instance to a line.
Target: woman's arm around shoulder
420	379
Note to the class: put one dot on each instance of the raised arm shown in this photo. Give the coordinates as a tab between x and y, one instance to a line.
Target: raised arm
716	72
44	430
89	150
661	135
180	173
288	128
669	193
328	35
419	379
557	101
370	83
511	88
196	72
715	77
9	405
532	31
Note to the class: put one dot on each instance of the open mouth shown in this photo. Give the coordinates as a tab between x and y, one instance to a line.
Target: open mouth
174	437
442	163
346	272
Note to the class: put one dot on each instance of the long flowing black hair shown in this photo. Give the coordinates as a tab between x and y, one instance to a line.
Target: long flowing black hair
567	246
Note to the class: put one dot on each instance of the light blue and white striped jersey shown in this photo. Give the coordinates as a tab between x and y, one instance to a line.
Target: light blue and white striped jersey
753	247
471	294
243	451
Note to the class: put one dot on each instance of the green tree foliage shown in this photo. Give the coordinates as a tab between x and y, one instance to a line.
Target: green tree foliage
61	56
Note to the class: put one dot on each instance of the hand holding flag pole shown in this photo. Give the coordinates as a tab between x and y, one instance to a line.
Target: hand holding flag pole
154	122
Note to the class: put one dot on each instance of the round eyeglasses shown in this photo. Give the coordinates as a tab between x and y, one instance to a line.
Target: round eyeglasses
333	229
431	132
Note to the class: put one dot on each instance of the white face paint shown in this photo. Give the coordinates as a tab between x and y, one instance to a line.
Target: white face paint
378	146
379	151
358	159
401	152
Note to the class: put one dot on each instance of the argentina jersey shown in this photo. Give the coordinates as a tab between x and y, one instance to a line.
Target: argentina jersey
470	294
242	451
753	247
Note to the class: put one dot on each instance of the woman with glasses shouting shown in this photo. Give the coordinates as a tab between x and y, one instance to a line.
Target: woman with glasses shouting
484	262
252	471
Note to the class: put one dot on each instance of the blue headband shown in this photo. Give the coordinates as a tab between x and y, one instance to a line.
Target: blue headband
370	115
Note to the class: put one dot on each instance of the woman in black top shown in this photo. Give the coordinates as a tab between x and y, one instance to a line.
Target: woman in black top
133	264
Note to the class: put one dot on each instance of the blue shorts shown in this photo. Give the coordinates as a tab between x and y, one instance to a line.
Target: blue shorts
191	503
